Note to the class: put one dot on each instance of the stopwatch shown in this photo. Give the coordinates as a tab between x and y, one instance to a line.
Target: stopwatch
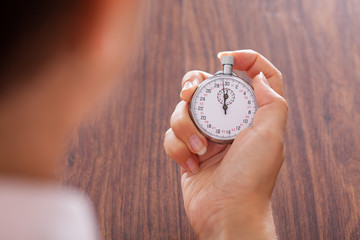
223	105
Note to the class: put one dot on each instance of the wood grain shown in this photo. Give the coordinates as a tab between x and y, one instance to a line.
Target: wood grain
117	157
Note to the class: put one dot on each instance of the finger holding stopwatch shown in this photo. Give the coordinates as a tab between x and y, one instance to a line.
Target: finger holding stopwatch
184	128
178	151
253	63
190	82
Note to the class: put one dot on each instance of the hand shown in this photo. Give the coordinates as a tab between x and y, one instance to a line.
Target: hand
227	189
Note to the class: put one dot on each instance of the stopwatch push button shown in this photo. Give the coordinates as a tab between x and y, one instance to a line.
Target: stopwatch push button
228	62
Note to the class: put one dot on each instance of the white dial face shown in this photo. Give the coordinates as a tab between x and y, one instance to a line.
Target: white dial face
223	106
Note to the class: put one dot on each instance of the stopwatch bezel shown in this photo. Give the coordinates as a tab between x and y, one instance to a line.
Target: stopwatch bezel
191	110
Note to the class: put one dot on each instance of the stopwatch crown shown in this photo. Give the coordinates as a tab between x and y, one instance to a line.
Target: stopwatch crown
228	60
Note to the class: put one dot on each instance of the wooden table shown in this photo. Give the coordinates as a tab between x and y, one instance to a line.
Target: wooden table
117	155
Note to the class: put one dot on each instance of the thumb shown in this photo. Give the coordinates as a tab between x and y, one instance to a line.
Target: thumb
272	112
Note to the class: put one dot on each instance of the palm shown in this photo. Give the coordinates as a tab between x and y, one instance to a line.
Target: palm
224	179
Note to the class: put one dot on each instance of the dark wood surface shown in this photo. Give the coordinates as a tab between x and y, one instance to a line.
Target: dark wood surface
117	157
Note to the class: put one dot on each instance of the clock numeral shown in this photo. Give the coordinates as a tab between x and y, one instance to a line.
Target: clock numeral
216	85
202	99
249	102
200	108
244	93
238	127
203	117
249	112
236	86
228	131
208	90
217	130
245	121
209	126
227	83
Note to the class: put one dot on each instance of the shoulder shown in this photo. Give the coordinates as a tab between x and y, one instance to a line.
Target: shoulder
30	210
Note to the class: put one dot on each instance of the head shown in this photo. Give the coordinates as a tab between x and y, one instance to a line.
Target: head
58	57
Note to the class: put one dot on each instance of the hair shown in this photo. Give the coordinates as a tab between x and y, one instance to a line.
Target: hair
31	31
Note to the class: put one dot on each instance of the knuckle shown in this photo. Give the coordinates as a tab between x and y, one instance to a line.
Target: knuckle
257	55
173	151
277	73
178	119
178	122
271	136
253	52
282	104
170	150
174	120
166	137
168	132
174	115
168	146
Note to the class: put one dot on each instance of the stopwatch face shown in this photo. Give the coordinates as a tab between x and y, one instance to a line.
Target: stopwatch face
223	106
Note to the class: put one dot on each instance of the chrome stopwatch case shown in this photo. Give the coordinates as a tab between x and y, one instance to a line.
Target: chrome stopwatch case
223	105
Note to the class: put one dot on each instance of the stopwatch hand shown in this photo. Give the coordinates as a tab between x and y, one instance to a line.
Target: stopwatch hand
225	107
225	96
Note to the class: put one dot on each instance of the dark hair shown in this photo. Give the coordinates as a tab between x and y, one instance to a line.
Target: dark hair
29	32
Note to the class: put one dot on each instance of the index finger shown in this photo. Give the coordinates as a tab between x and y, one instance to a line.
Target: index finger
190	82
252	63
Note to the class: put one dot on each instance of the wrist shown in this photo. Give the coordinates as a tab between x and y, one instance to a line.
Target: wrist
249	221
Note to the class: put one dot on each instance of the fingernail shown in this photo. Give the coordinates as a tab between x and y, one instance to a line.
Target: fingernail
187	85
197	144
192	165
263	78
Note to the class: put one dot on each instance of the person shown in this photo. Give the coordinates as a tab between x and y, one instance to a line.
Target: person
58	58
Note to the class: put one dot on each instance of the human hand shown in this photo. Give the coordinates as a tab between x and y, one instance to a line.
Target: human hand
227	189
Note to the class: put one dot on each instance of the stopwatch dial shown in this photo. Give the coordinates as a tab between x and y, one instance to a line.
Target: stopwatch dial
230	96
208	107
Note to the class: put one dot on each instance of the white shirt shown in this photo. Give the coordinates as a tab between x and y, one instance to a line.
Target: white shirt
38	211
